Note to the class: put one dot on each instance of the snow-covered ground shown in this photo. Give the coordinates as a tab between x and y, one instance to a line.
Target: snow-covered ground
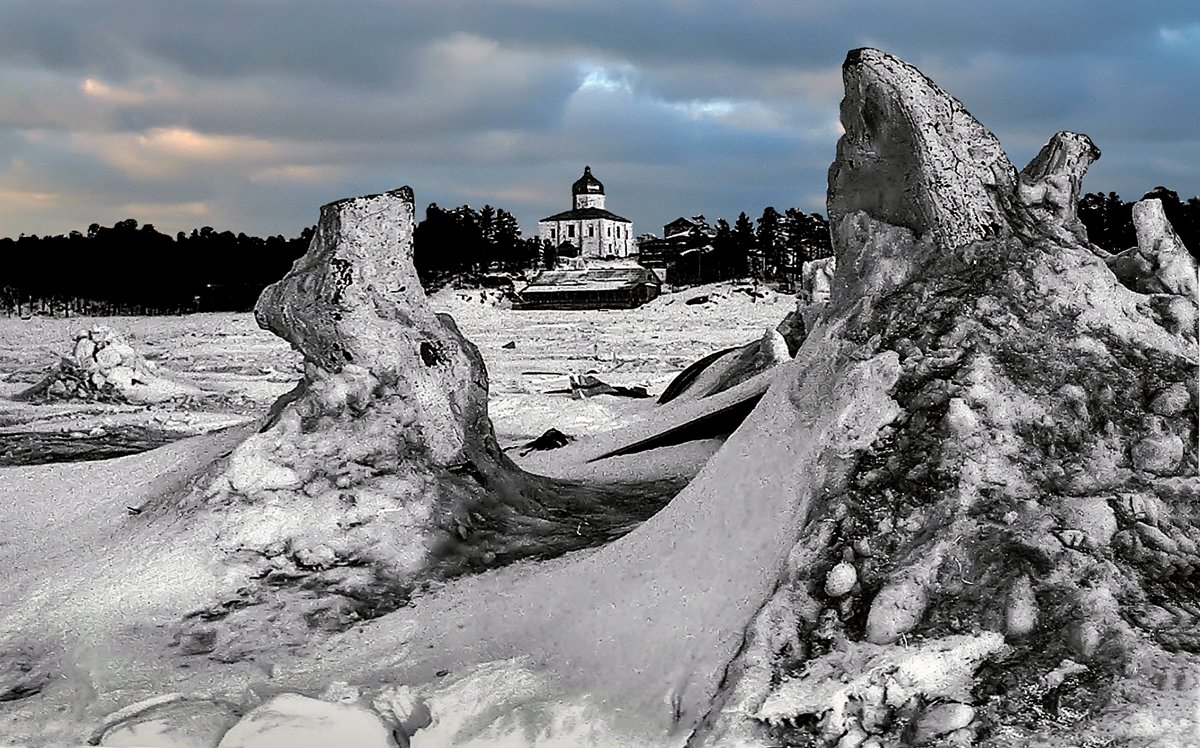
241	369
71	554
246	368
646	346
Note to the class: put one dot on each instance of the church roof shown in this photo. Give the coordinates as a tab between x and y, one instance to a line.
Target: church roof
587	184
585	213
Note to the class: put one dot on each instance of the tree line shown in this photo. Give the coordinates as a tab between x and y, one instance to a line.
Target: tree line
484	241
1109	219
132	269
774	248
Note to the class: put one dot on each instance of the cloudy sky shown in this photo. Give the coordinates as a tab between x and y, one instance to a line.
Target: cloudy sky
249	115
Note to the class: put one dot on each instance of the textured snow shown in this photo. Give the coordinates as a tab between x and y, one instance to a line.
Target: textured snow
83	567
228	355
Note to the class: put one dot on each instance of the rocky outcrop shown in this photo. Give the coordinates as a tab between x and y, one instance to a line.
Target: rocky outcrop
104	367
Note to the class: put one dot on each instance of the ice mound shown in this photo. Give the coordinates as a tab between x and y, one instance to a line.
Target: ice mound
380	472
1161	267
859	683
104	367
1029	486
816	279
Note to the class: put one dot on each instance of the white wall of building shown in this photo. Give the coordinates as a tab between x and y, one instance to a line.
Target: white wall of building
595	237
589	200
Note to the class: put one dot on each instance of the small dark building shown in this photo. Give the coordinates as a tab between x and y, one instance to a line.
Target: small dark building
678	236
591	288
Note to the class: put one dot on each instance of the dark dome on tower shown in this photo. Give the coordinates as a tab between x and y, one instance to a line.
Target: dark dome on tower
587	184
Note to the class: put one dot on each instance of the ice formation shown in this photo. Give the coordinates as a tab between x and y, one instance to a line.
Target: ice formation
104	366
997	499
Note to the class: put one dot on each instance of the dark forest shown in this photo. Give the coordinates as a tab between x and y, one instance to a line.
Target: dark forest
132	269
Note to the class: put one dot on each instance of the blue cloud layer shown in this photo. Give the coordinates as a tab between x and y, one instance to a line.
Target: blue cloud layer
249	115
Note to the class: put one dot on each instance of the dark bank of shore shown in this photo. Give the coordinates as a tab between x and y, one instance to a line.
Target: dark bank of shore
45	447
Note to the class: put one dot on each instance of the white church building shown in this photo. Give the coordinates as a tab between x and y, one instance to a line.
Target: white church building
594	230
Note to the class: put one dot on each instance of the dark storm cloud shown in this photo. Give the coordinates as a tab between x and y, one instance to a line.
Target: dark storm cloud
250	114
359	44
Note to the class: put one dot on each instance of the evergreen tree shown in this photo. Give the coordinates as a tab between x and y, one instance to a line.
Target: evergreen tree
466	243
1189	230
90	273
769	243
724	262
431	239
797	241
807	238
510	251
1108	220
744	243
486	219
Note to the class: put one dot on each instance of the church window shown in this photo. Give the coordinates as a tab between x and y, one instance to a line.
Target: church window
591	231
571	231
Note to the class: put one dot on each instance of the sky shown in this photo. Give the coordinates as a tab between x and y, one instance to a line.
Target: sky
250	115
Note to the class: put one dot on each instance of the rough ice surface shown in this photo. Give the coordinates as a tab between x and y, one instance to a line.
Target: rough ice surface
708	377
845	685
1026	403
103	366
